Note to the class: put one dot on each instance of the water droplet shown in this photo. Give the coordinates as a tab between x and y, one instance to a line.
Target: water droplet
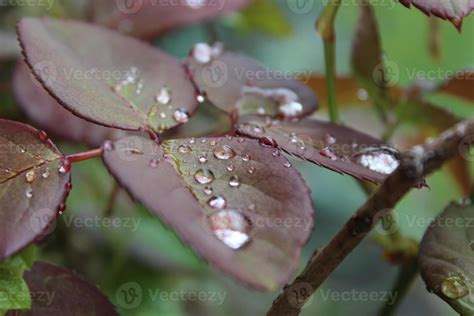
43	136
213	143
329	140
208	190
454	287
200	98
251	170
224	152
261	110
327	152
22	149
162	115
234	181
258	129
139	87
230	168
30	176
181	116
291	109
61	208
45	173
202	53
192	140
184	149
381	160
276	153
362	94
163	96
217	202
68	187
287	164
29	193
252	207
267	142
230	227
153	163
65	166
134	151
109	146
246	158
204	176
202	158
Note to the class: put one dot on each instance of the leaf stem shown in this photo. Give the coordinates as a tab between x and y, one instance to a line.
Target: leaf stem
325	27
85	155
416	163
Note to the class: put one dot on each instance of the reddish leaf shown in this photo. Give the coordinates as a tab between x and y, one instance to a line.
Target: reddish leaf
94	73
335	147
453	10
34	182
57	291
149	18
239	204
47	113
235	82
460	86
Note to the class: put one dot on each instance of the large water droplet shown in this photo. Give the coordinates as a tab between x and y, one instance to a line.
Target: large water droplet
163	96
181	116
291	109
230	227
65	166
267	142
217	202
454	287
224	152
30	176
381	160
184	149
204	176
202	53
234	181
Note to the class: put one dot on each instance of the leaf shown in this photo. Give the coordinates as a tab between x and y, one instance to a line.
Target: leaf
264	16
446	257
234	82
118	87
13	288
366	59
452	10
34	183
150	18
233	219
460	86
62	292
47	113
335	147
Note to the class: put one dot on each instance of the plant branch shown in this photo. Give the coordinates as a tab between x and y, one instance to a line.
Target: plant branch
325	27
415	164
85	155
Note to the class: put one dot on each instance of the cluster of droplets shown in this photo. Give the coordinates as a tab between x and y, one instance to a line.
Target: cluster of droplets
131	78
379	159
288	102
454	287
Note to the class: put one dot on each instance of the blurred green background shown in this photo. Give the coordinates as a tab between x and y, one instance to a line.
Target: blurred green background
154	259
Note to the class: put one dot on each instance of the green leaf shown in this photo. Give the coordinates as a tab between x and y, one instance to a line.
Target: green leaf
14	292
447	257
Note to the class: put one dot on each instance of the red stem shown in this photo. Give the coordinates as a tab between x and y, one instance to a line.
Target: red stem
85	155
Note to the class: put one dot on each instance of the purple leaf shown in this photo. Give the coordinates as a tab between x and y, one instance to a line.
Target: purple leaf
148	18
453	10
235	82
47	113
335	147
57	291
95	73
239	204
34	183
